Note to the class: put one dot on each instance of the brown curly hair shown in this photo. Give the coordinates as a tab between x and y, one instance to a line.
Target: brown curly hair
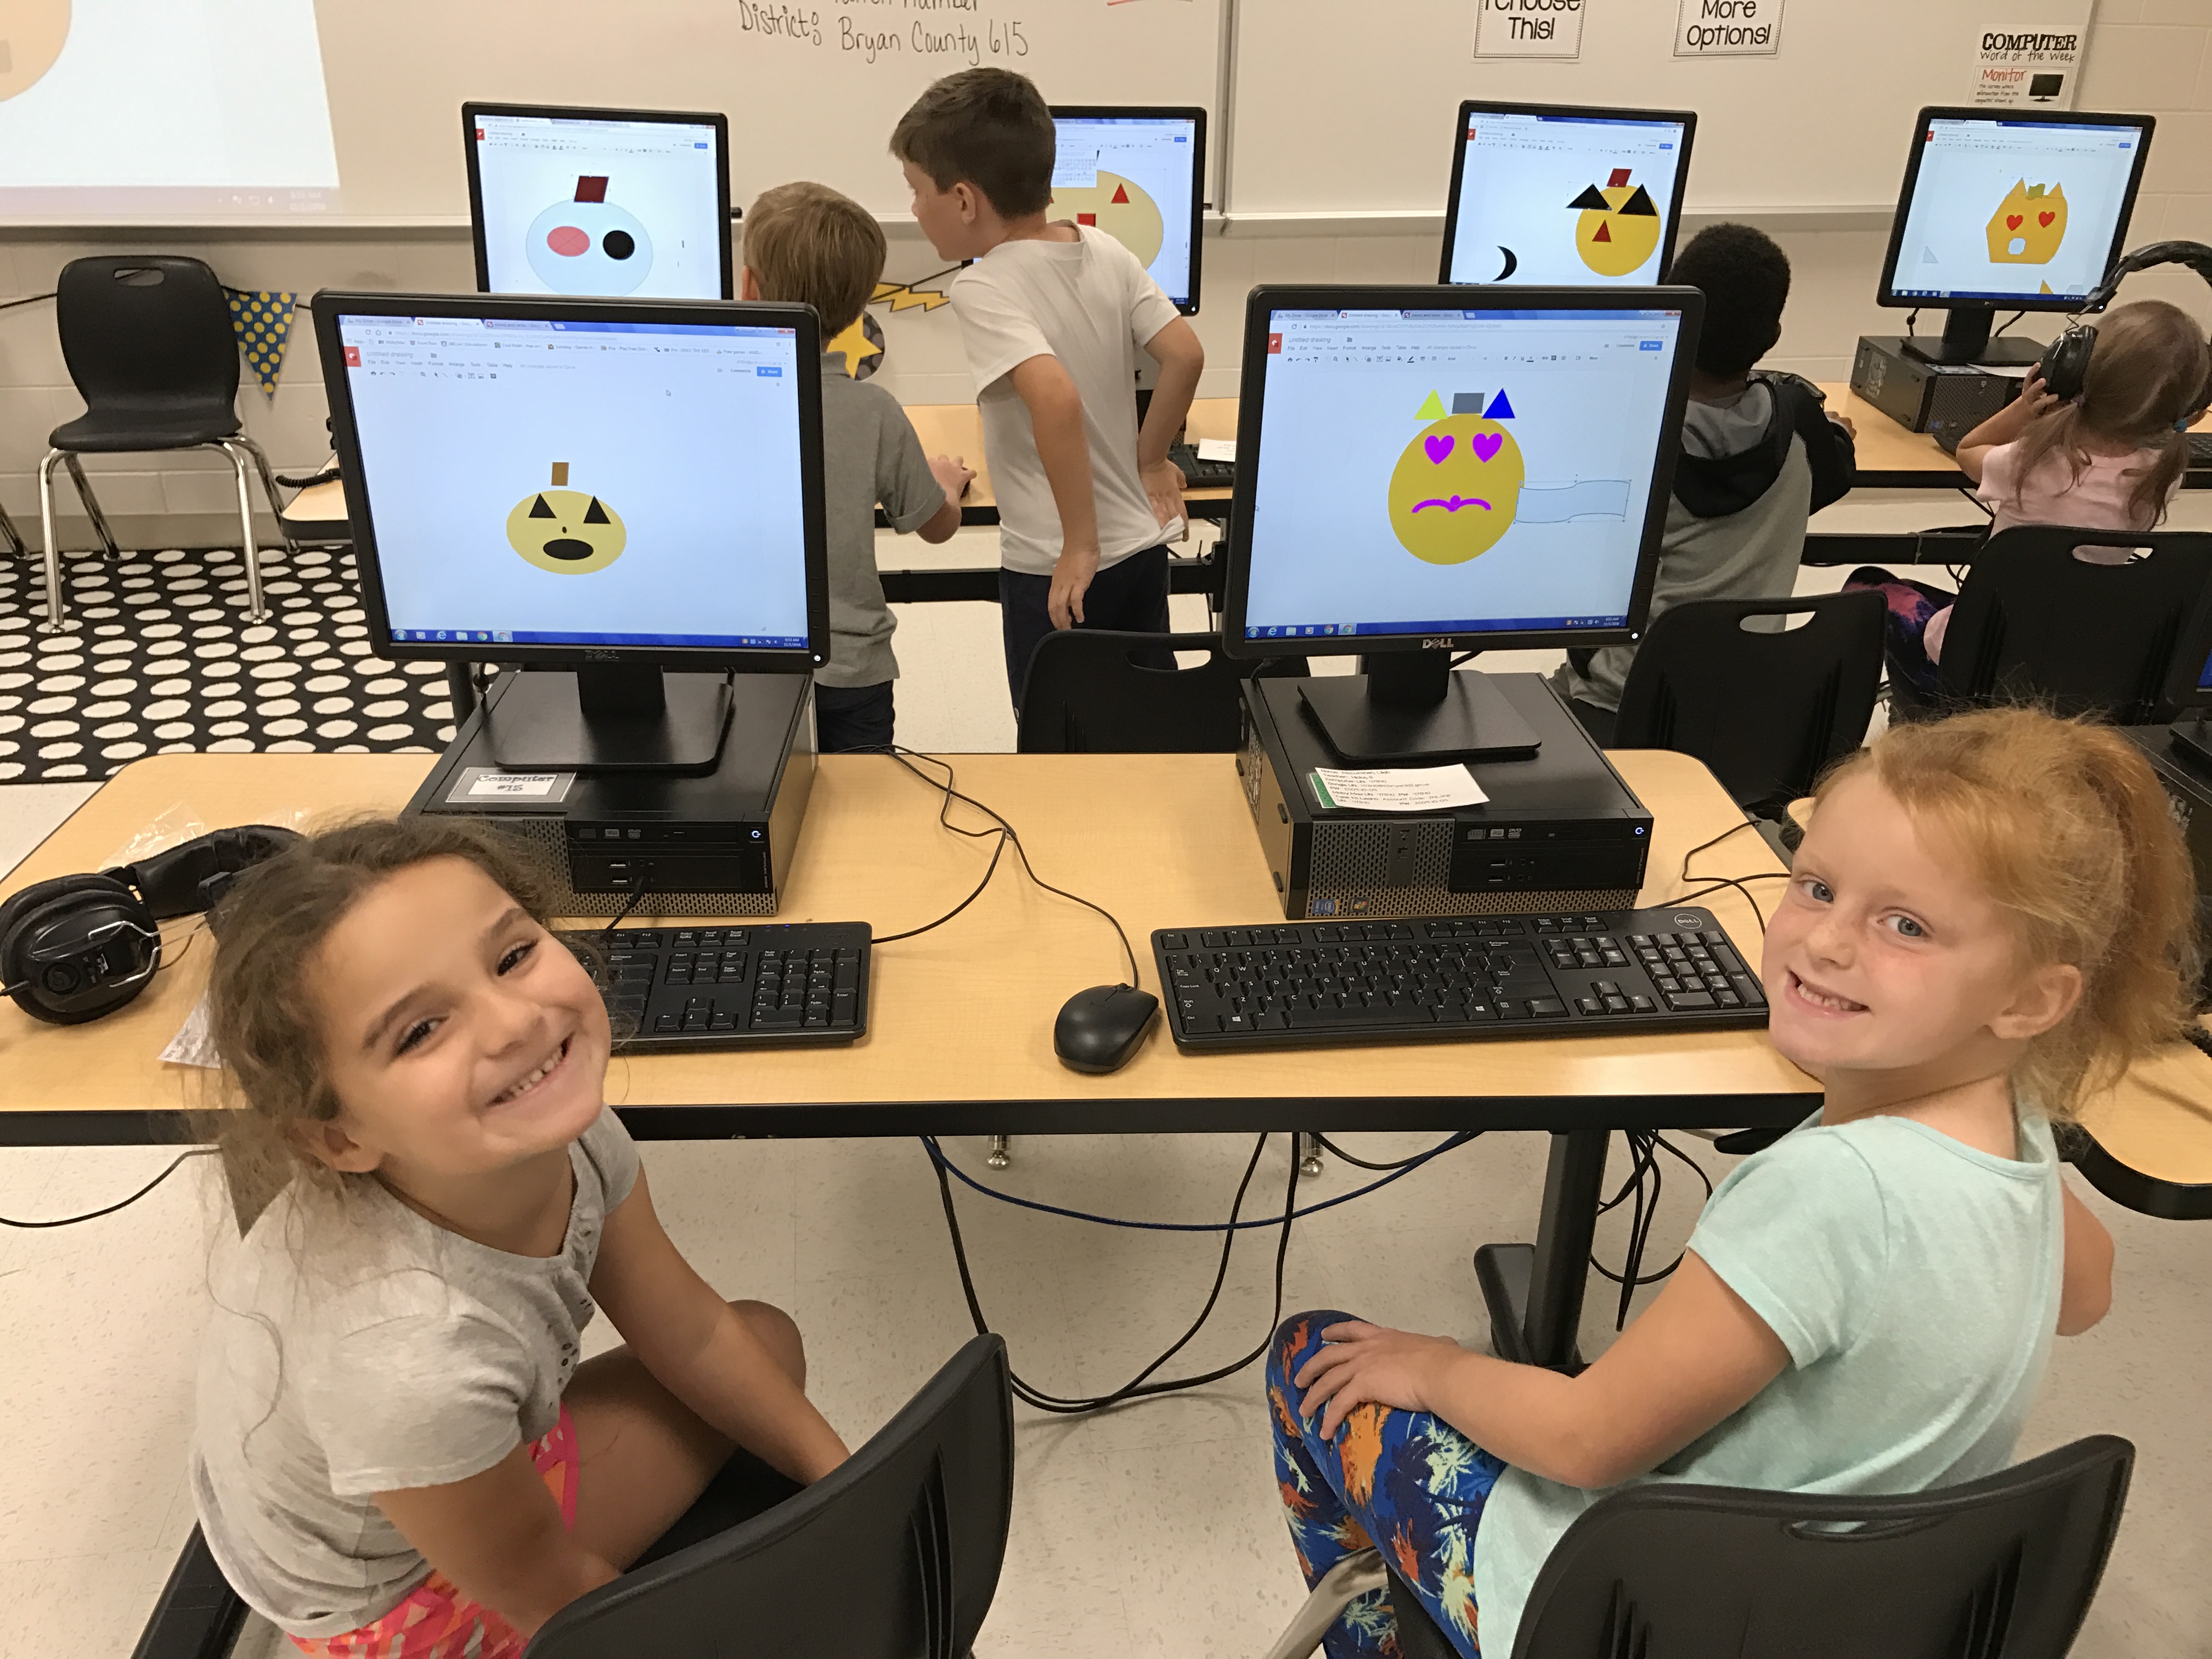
268	929
2068	828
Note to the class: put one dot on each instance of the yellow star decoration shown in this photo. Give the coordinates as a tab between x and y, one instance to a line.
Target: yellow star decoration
855	344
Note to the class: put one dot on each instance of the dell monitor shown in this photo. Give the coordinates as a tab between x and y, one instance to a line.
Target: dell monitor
1429	470
1138	174
614	488
628	202
2008	209
1548	194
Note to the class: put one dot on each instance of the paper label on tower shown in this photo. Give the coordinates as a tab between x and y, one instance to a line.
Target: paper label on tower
1529	28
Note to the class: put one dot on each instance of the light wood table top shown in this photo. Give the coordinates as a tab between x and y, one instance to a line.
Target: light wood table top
961	1018
957	429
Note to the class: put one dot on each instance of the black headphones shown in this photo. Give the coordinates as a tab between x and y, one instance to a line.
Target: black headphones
77	947
2065	361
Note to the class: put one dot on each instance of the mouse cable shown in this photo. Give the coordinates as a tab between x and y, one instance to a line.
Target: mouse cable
94	1215
1398	1171
1140	1386
1644	1145
1006	834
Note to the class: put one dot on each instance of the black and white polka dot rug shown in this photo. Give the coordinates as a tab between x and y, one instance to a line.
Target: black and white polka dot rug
163	662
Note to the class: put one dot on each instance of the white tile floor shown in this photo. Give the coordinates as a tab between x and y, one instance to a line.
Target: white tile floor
1153	1531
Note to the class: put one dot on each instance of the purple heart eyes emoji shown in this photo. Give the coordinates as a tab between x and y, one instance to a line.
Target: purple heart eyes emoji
1486	444
1439	448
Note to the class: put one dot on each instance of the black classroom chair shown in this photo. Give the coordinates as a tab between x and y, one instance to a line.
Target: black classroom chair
1766	711
2005	1567
1095	691
2033	623
148	341
895	1555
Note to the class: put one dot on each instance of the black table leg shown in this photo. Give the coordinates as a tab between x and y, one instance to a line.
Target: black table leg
199	1616
1535	1292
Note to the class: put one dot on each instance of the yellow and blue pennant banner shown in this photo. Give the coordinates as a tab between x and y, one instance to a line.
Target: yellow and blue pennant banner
263	319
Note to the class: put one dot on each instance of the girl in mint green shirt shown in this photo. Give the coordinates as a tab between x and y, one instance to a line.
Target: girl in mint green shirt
1990	918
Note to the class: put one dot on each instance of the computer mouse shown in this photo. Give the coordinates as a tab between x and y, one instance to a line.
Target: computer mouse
1100	1028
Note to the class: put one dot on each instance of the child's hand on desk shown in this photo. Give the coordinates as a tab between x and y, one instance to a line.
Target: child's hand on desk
1071	581
1164	490
953	475
1365	1363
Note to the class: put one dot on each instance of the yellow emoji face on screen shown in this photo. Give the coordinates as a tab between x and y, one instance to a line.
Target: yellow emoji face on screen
568	531
2028	225
1618	226
1118	206
1455	489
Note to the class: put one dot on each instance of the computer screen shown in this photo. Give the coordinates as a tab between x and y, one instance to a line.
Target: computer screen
600	478
2012	208
1550	194
1138	174
1408	471
626	202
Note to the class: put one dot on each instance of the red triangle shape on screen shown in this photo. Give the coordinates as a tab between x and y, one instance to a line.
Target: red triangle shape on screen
1121	196
1604	234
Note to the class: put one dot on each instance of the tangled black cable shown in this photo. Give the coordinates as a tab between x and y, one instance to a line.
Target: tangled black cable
94	1215
1644	1146
1717	883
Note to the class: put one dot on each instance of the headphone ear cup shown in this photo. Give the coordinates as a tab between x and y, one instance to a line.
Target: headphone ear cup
2065	363
38	906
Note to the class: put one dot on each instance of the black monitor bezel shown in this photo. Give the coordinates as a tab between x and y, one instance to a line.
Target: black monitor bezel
330	304
714	119
2192	656
1193	113
1266	299
1469	106
1886	286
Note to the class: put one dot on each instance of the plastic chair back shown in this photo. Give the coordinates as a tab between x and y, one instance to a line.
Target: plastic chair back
894	1555
149	341
2001	1568
1094	691
1766	711
2035	624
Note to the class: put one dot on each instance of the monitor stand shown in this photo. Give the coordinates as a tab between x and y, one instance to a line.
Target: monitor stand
608	720
1409	707
2192	735
1966	339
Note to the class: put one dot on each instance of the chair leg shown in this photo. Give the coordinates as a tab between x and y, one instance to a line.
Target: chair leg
1355	1576
17	547
256	609
91	503
268	488
1001	1152
1309	1163
54	622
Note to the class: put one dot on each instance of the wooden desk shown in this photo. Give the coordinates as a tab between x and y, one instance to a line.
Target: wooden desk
961	1018
2149	1141
957	429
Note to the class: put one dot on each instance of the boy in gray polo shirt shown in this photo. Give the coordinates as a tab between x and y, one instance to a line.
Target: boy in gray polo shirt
805	242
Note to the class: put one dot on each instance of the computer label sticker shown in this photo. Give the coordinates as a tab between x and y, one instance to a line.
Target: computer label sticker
570	532
2028	225
1457	486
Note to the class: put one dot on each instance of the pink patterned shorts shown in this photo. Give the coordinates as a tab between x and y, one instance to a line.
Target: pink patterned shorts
436	1622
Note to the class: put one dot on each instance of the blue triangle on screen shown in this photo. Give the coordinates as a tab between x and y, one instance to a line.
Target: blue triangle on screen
1500	410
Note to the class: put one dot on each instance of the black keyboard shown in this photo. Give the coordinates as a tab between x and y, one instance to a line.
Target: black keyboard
744	986
1201	475
2200	449
1309	983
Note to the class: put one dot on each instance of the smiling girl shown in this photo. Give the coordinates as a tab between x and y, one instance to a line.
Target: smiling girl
1990	918
397	1451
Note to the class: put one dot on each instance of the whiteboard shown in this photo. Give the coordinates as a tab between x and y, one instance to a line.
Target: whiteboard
1344	110
812	87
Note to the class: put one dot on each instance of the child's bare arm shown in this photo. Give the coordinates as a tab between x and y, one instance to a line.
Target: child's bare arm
2001	428
700	1348
1056	420
2085	1290
498	1537
1695	1356
953	475
1182	359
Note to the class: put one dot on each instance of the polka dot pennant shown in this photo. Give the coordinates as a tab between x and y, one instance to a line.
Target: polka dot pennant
263	319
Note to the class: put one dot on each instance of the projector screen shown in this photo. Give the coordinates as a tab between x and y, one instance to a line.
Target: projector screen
112	110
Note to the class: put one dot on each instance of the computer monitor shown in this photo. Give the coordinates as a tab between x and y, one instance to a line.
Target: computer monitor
1426	471
615	487
1548	193
1137	172
630	203
2008	209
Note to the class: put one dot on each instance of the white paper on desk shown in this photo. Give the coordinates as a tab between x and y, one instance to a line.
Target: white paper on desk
1217	449
193	1045
1398	789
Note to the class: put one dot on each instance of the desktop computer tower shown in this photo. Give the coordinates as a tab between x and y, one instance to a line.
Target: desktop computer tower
1945	400
1561	832
716	844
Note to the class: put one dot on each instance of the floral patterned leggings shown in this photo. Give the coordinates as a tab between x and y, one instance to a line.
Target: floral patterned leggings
1405	1481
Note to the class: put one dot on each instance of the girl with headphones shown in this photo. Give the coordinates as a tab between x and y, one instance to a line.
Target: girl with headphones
2095	439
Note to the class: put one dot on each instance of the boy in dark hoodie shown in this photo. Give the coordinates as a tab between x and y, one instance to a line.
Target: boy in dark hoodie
1759	456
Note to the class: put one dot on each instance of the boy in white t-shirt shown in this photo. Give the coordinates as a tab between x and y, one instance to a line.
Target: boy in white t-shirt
1053	315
